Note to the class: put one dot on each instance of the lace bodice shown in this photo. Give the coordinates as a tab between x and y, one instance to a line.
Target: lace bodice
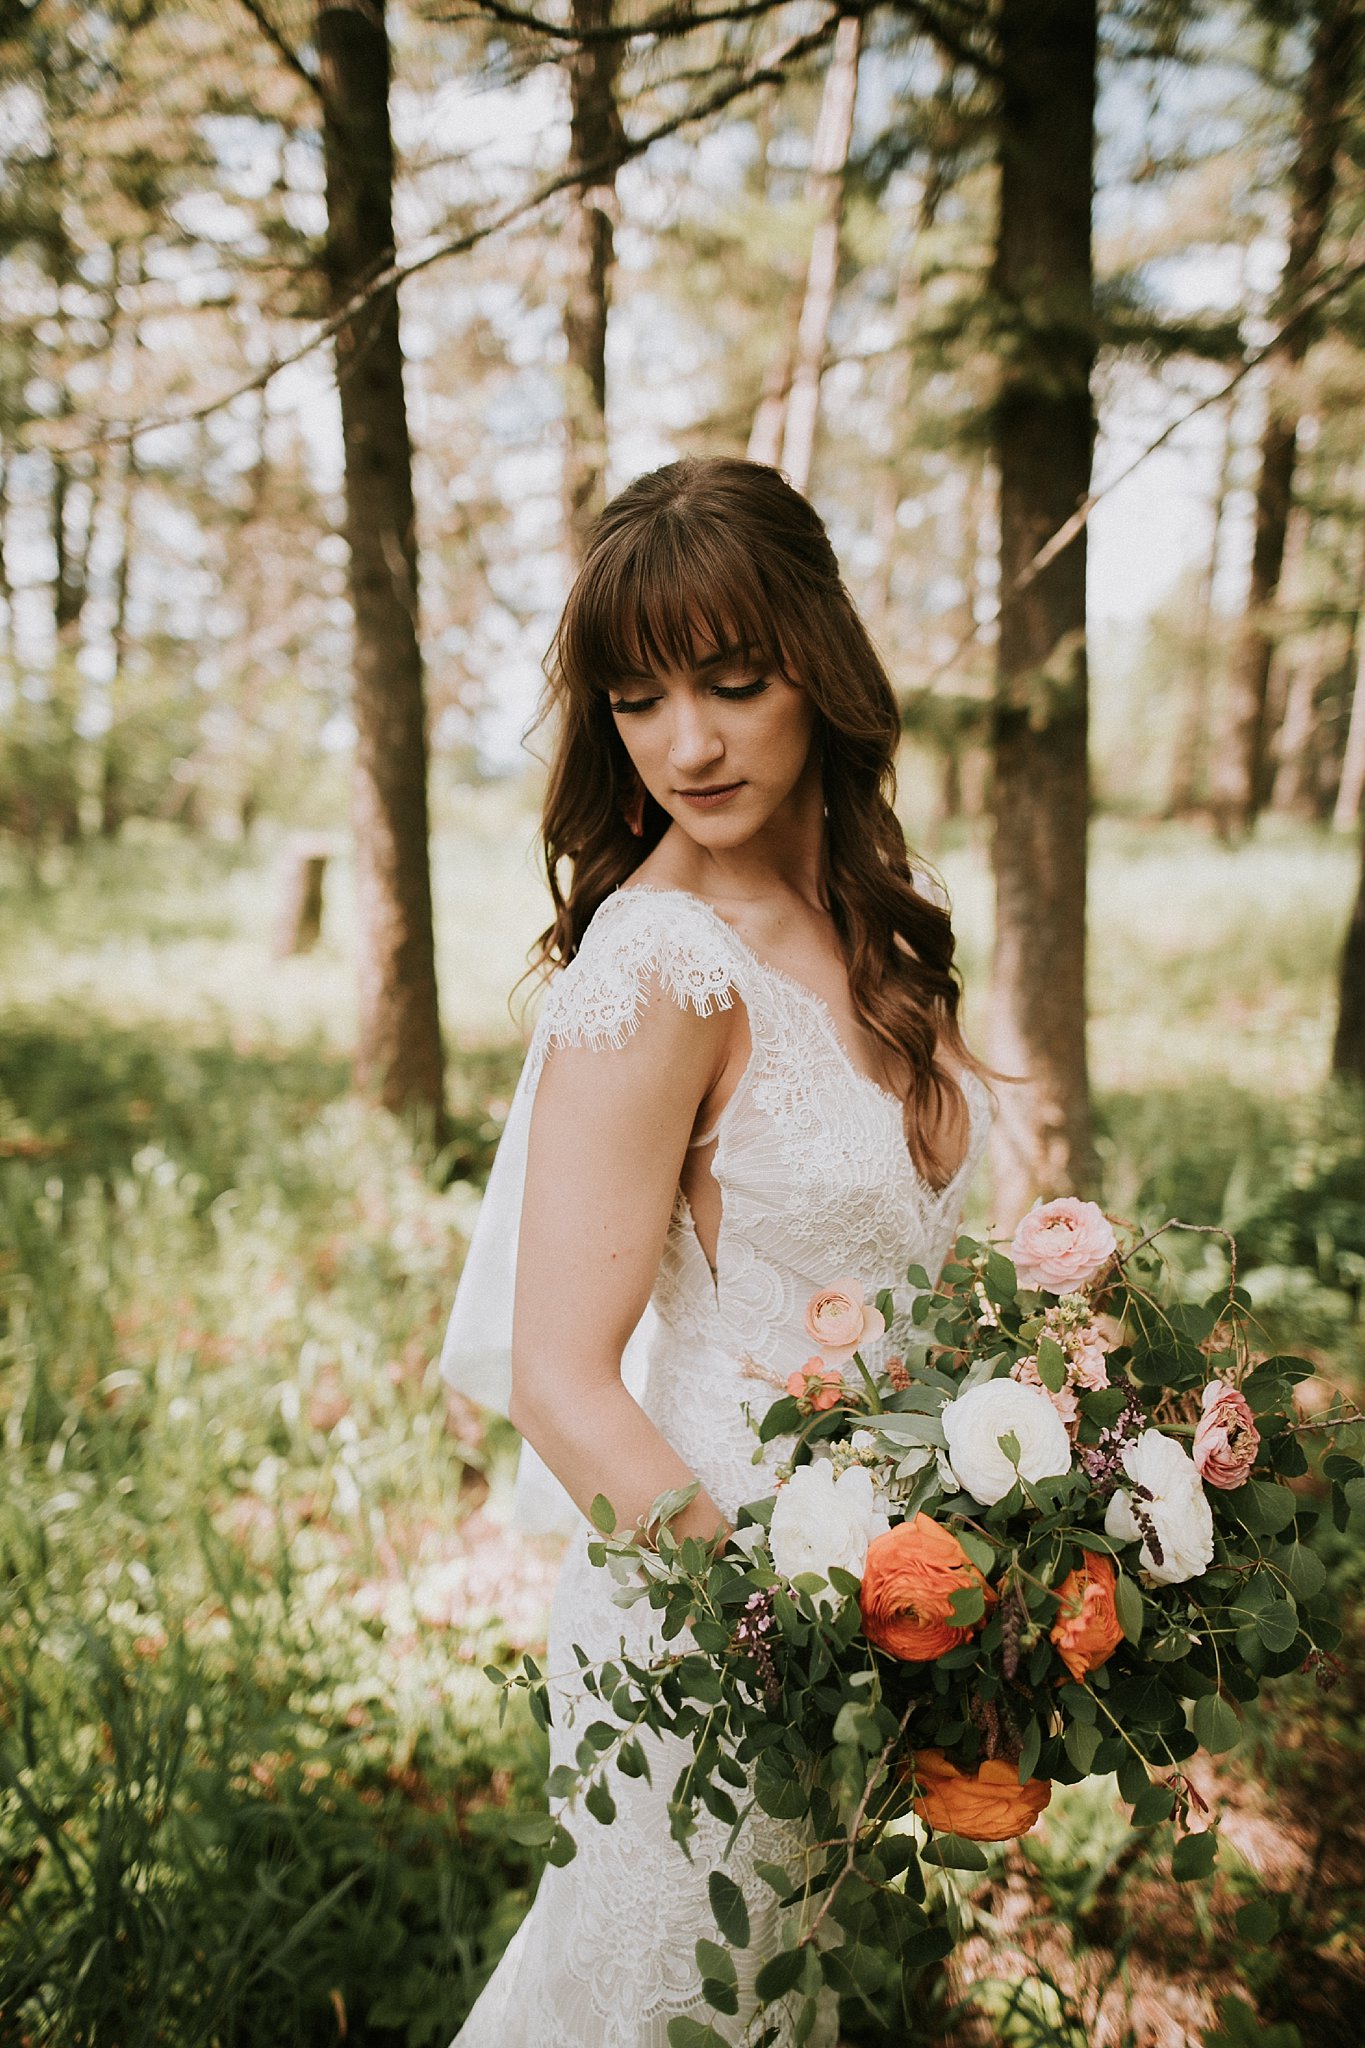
816	1185
816	1180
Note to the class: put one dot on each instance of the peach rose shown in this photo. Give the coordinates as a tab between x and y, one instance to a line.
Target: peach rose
816	1385
1025	1370
1086	1630
838	1319
1060	1245
909	1579
1226	1440
985	1805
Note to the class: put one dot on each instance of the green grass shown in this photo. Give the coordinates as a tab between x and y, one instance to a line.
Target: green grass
253	1787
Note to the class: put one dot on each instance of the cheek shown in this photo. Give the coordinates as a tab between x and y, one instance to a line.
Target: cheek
791	727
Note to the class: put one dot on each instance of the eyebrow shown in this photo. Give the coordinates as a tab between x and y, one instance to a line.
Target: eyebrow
722	658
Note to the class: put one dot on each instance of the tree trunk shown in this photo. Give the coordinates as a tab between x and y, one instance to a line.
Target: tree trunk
112	758
1351	787
1348	1047
783	431
595	139
891	482
828	165
1292	791
298	922
1192	737
770	414
1242	782
112	782
6	586
1044	430
398	1054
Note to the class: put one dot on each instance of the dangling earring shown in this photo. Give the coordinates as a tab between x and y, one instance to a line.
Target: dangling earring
633	807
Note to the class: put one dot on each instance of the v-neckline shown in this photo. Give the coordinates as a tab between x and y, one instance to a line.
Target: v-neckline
826	1018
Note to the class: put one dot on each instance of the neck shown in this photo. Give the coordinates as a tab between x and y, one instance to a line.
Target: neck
786	856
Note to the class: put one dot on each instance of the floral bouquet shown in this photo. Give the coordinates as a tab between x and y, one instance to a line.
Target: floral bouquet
1050	1538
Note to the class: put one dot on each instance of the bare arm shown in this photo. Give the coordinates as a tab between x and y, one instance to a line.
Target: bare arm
609	1131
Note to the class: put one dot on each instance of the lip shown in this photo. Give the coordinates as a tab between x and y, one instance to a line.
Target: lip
710	799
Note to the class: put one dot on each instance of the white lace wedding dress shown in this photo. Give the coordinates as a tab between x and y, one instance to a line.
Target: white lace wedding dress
816	1184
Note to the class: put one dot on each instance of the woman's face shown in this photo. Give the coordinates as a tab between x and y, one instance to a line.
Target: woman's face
724	747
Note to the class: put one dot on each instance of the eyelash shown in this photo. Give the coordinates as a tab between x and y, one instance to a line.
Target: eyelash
738	695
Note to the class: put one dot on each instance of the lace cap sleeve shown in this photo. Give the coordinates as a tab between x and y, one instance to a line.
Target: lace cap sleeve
638	936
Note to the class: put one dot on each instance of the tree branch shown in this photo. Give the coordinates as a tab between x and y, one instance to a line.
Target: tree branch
669	21
767	71
850	1840
954	39
283	49
1330	286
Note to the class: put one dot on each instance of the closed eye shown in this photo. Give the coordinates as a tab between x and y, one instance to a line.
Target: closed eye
730	693
736	693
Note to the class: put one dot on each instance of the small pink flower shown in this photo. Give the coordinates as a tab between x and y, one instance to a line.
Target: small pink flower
838	1319
1226	1440
815	1385
1064	1400
1060	1245
1087	1361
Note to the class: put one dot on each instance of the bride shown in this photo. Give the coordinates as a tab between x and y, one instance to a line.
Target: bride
747	1080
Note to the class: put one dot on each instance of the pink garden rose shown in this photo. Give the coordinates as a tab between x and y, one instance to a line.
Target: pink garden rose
1226	1440
1062	1244
839	1319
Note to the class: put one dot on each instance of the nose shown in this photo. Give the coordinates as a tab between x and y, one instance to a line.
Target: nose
695	744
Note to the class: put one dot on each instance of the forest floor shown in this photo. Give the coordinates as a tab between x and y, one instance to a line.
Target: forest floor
254	1786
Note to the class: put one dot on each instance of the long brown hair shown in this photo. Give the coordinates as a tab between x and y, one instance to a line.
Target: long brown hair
726	552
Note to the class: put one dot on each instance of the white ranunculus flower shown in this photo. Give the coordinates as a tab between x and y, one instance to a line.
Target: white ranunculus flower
1175	1506
974	1424
819	1521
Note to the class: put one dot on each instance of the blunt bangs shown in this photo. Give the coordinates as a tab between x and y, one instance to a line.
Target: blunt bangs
664	593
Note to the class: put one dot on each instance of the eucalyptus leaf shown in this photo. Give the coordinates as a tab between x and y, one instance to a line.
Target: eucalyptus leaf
561	1848
727	1903
1153	1805
1051	1364
1194	1856
1215	1724
1128	1605
599	1802
1262	1507
686	2032
1304	1569
902	1428
532	1830
1081	1740
603	1515
1278	1625
955	1852
780	1974
1001	1278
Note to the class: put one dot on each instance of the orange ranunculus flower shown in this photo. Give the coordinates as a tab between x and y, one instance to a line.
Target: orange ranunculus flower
909	1579
815	1386
986	1805
1086	1630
